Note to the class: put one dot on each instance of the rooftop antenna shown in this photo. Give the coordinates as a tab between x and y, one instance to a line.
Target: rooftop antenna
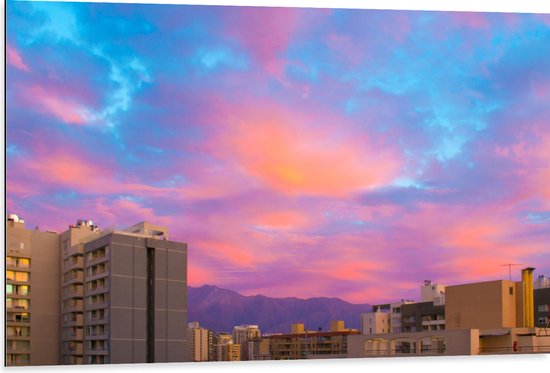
509	265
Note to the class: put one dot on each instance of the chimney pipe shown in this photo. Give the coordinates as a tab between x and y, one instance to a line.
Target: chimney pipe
528	300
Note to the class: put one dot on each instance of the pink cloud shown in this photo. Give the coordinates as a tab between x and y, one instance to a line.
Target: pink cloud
297	154
14	58
64	109
265	35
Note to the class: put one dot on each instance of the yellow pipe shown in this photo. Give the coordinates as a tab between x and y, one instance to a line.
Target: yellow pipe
528	300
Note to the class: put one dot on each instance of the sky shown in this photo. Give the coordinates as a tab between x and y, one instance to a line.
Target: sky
298	152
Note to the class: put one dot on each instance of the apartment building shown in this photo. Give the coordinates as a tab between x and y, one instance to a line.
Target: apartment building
305	344
72	289
135	297
422	316
258	349
242	334
117	296
200	342
32	295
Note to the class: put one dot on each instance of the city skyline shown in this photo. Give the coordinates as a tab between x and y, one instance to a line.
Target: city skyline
326	153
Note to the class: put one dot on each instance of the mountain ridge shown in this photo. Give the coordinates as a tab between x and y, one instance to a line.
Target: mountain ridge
220	309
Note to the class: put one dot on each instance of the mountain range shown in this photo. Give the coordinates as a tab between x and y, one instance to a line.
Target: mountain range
220	309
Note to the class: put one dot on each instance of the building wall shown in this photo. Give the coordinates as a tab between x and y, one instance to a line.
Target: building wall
375	323
416	317
483	305
542	307
309	345
429	343
129	300
33	319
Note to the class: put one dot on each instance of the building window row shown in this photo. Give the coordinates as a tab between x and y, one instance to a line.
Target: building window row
96	269
97	299
17	345
71	275
18	317
95	330
18	359
17	276
100	283
17	289
99	315
18	303
72	289
544	307
18	262
97	345
18	331
97	254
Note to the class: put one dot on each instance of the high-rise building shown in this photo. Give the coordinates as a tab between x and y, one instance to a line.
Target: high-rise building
32	295
135	297
72	289
200	342
244	333
118	296
219	350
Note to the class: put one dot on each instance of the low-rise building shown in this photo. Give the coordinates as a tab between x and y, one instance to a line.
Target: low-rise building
306	344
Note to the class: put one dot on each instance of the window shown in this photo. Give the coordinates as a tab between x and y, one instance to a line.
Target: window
18	317
18	262
17	276
511	290
17	303
18	331
543	308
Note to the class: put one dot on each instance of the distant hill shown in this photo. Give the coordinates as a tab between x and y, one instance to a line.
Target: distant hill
220	309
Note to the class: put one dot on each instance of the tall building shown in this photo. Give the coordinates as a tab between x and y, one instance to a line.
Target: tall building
32	295
72	289
135	297
118	296
200	342
219	349
244	333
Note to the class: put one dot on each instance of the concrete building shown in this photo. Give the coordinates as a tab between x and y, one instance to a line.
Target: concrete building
416	317
484	305
220	351
200	342
450	343
542	307
135	297
72	289
244	333
304	344
430	292
376	322
258	349
118	296
541	282
32	295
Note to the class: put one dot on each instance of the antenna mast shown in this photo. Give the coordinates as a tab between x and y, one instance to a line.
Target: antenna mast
509	265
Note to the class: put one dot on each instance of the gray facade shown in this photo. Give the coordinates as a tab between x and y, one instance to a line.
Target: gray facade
417	317
135	299
542	307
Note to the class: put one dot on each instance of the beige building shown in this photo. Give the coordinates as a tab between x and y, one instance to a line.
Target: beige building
258	349
118	296
32	295
305	344
376	322
72	289
244	333
484	305
200	342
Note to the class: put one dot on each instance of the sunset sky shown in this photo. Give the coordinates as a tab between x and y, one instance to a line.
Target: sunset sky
298	152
